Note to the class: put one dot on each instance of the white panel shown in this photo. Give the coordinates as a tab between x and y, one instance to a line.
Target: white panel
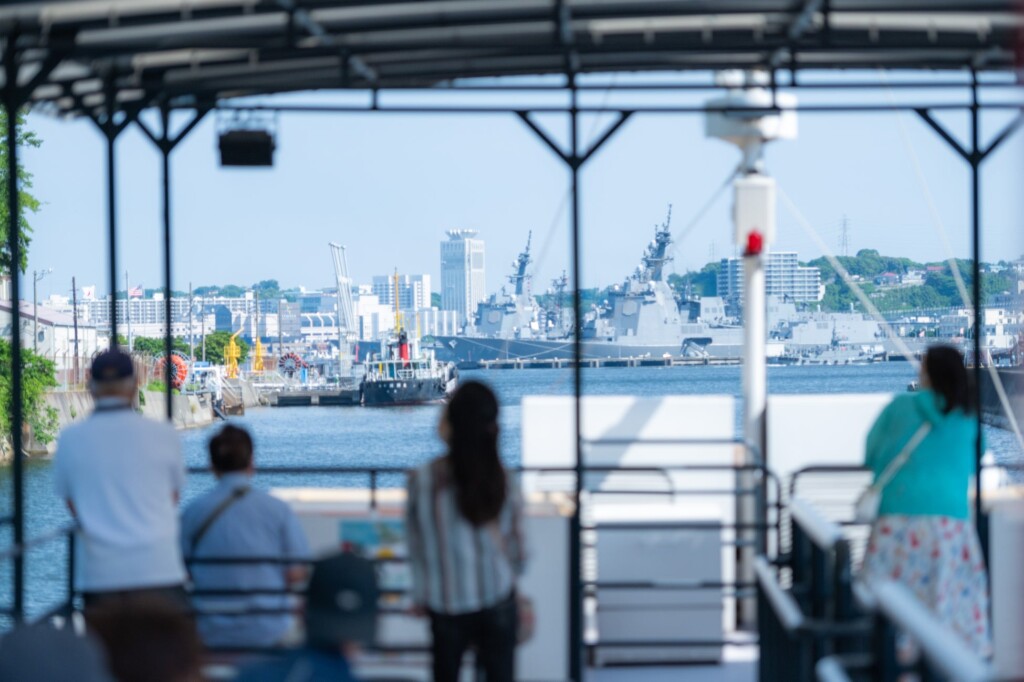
806	430
549	438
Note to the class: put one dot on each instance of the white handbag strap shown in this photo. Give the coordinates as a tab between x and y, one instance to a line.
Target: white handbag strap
899	460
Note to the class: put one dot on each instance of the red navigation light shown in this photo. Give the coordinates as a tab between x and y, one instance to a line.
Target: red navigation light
755	243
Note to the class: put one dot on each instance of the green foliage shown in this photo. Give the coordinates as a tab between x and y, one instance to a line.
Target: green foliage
145	344
27	202
939	289
701	283
217	342
38	375
157	386
267	289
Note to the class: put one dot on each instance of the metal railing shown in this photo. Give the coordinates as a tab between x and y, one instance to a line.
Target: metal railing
828	627
763	487
899	617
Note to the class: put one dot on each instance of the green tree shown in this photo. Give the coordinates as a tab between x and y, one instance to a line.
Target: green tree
145	344
37	377
701	283
217	342
27	202
267	289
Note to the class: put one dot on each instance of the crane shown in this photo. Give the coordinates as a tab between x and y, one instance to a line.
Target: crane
346	311
232	353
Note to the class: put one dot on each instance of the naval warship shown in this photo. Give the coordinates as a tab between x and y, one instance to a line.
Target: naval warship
641	318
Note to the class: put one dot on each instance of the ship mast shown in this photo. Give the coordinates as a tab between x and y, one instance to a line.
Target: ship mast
655	258
518	277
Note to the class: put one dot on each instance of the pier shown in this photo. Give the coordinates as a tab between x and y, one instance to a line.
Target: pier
595	363
315	398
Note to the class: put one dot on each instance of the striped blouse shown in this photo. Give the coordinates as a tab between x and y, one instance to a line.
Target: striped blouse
457	567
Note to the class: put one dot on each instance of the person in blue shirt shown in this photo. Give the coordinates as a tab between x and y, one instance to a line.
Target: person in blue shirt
923	536
341	614
237	521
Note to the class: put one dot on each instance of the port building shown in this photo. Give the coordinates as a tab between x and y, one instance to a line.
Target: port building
463	284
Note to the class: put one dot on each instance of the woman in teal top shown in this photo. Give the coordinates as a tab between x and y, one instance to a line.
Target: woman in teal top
923	536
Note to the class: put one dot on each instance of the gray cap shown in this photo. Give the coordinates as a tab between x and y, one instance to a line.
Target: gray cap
341	601
41	653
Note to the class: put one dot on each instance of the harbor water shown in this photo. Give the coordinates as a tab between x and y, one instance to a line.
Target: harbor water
406	436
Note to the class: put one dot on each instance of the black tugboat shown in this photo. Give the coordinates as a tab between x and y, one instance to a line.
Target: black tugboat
400	376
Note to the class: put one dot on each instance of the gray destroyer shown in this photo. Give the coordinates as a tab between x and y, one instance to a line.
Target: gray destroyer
640	318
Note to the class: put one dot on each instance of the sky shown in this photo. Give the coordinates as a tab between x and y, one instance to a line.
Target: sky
389	185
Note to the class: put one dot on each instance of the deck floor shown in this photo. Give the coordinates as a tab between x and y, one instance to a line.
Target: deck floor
739	664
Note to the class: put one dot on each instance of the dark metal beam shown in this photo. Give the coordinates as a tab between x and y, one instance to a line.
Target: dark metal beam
165	144
544	137
12	104
926	116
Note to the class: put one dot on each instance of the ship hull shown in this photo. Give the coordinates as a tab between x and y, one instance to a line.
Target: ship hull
395	392
466	350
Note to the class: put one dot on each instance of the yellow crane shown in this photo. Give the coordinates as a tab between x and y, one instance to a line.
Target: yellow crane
232	353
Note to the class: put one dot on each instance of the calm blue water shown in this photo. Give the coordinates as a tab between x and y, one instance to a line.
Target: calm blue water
404	437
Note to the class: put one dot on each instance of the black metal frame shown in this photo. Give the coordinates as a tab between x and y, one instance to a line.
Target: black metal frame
767	495
791	45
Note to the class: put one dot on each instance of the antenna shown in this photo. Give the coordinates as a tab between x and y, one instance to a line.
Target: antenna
844	237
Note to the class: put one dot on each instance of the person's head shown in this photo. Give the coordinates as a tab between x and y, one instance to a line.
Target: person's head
944	372
231	450
470	428
113	375
148	639
341	602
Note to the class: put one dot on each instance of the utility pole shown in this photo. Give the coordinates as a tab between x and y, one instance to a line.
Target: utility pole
202	324
191	336
74	316
127	310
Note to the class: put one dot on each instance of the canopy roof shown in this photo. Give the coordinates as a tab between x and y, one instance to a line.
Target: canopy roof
188	52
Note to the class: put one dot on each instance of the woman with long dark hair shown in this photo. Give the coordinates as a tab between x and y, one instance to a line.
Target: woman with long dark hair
923	535
463	524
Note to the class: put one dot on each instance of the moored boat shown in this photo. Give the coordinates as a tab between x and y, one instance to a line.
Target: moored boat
401	375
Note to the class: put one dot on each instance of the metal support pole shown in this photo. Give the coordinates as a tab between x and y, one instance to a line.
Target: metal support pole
165	156
974	157
110	132
166	143
576	525
755	392
979	329
11	106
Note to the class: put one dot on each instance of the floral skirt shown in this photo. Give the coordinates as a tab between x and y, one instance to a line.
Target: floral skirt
939	558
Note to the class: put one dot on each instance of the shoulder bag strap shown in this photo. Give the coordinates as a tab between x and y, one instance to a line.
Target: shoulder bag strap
236	494
901	459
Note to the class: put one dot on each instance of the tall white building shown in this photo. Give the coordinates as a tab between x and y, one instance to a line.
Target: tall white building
784	277
462	273
413	291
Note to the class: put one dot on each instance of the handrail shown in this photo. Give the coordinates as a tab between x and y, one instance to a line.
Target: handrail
783	603
19	550
946	652
830	669
824	533
750	446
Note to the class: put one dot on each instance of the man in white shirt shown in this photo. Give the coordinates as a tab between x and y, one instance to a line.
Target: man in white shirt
121	475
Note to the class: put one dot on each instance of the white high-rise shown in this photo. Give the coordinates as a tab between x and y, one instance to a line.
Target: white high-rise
413	290
784	277
462	273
